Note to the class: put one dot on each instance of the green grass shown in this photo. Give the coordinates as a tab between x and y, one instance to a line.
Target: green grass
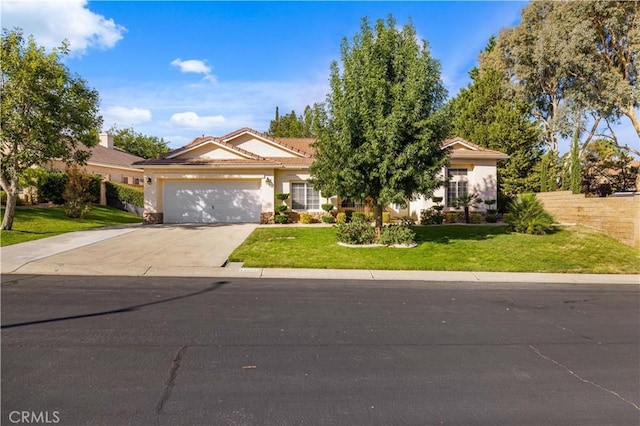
444	248
41	222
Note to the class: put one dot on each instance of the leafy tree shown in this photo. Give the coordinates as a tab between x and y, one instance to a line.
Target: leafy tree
607	168
76	195
290	125
46	112
385	123
574	59
488	113
139	144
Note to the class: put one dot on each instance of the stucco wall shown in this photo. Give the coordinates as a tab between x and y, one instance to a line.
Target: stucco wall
115	174
617	216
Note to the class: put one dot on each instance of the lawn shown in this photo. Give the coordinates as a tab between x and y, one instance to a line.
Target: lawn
33	223
444	248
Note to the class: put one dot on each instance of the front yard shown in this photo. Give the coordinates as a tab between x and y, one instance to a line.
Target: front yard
33	223
444	248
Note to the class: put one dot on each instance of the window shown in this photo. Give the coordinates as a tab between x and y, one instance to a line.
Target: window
136	181
304	197
456	185
125	179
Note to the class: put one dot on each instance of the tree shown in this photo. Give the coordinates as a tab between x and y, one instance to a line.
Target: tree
139	144
488	113
607	168
46	112
293	126
385	121
574	59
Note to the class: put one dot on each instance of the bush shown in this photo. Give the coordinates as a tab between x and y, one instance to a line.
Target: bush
476	218
386	217
327	207
451	217
121	193
282	196
281	208
356	233
348	214
430	217
491	218
358	217
281	218
77	198
527	216
397	234
306	218
328	219
52	187
341	217
370	217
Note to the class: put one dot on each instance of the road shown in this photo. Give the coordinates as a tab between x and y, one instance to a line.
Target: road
177	351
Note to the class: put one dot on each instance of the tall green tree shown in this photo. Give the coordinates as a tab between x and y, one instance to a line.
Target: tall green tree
294	126
385	119
139	144
47	112
488	113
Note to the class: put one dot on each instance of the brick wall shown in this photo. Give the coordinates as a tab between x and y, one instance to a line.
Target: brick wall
618	217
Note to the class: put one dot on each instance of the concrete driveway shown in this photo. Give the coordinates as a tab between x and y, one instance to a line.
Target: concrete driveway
158	250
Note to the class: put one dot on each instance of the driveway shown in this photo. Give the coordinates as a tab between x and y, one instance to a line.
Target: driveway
168	250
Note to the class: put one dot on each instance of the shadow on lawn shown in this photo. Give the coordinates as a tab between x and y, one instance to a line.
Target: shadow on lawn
444	234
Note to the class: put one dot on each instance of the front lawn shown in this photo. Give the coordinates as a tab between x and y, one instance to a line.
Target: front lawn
33	223
444	248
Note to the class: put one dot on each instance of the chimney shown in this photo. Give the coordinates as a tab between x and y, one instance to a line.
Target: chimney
106	140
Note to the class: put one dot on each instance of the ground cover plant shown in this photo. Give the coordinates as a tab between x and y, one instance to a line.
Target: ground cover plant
445	248
41	222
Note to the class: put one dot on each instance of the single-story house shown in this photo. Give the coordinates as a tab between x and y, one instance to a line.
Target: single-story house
235	177
108	161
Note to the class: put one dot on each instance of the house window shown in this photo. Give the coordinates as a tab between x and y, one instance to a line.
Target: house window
125	179
136	181
304	197
457	185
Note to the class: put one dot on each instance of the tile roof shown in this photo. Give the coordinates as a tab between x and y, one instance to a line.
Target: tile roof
112	157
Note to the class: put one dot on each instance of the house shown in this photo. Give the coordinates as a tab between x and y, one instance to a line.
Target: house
108	161
235	177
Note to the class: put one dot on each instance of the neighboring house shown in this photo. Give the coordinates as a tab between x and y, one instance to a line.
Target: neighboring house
234	178
108	161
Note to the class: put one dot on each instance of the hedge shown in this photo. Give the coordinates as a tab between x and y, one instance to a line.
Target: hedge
125	193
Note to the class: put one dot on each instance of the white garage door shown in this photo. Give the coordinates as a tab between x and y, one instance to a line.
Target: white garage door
211	201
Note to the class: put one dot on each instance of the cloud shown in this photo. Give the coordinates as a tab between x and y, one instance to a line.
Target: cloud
51	22
194	66
125	116
192	120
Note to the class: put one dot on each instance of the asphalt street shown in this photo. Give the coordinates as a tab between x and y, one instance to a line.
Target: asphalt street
215	351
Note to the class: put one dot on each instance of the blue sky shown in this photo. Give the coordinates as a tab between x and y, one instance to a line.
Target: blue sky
179	70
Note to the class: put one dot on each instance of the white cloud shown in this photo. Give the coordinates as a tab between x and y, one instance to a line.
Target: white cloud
51	22
194	66
123	116
192	120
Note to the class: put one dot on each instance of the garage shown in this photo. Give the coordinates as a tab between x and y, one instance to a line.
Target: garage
212	201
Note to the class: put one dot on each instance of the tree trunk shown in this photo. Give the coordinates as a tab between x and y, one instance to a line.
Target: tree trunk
10	208
377	214
466	214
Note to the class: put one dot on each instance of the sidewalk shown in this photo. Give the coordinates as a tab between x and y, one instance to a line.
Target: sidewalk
31	258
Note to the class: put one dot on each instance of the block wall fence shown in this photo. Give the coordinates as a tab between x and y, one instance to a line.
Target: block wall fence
618	216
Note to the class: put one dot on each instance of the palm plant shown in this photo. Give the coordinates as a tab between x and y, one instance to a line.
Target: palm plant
527	216
465	202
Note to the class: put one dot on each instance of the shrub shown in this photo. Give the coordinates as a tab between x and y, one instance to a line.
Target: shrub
281	208
437	200
386	217
356	233
76	195
281	218
476	218
430	217
52	187
282	196
348	214
451	217
358	217
370	217
397	234
407	221
327	207
527	216
121	192
491	218
341	217
306	218
329	219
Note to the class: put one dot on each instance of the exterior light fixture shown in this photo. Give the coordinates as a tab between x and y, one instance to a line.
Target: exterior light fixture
148	180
